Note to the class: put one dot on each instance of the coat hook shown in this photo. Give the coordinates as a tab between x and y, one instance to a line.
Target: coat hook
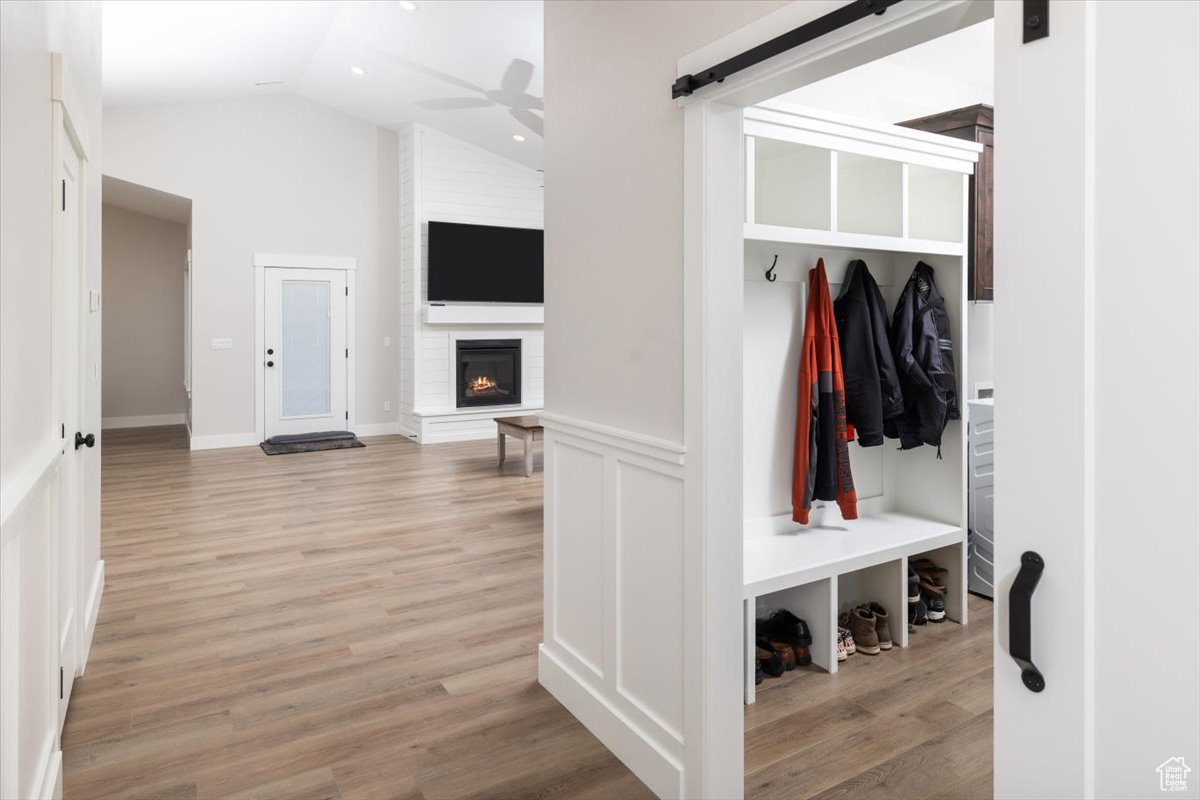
771	276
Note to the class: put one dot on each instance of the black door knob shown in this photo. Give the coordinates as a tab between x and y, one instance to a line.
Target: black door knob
81	440
270	351
270	363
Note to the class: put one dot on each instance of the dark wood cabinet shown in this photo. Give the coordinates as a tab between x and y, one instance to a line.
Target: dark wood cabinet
975	124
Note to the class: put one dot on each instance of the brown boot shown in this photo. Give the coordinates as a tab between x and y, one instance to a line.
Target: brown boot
786	653
862	628
883	630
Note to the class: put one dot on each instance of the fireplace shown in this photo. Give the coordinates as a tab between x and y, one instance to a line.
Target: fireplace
489	372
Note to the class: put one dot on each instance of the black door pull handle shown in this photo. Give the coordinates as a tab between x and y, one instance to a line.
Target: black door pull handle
81	440
1020	606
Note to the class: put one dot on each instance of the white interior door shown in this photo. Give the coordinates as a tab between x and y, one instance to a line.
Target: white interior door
306	355
69	309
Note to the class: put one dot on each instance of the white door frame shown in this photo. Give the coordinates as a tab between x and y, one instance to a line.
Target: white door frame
263	261
713	253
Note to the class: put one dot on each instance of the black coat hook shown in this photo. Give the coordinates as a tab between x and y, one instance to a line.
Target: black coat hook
771	276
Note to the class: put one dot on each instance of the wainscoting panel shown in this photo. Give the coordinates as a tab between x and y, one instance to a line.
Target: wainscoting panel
615	498
649	590
578	592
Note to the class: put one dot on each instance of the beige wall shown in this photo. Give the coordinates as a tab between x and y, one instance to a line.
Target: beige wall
614	206
144	261
271	174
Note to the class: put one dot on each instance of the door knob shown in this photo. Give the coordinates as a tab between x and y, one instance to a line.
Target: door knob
81	440
270	363
1020	608
270	351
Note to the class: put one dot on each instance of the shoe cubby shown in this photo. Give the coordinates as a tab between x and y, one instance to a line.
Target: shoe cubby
814	603
886	584
954	559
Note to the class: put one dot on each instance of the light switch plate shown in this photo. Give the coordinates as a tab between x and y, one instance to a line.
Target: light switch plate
221	344
93	300
387	341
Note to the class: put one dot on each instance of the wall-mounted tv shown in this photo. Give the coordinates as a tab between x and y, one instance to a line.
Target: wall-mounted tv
484	264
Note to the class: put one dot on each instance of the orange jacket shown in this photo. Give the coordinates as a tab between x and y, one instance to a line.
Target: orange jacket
821	470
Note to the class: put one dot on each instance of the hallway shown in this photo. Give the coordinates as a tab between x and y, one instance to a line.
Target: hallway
355	623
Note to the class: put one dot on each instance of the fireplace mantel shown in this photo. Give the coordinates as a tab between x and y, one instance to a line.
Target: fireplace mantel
482	314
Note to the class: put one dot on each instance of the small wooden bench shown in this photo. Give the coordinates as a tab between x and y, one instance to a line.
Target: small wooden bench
527	429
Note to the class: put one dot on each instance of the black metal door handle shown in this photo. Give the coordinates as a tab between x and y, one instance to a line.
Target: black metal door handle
1020	606
81	440
270	363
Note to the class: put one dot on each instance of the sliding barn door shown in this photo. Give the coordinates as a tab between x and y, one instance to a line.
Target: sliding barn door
1096	397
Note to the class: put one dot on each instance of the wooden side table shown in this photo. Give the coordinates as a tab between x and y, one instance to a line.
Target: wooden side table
527	429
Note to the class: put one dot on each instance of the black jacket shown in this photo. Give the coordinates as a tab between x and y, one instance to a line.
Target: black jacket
873	392
924	355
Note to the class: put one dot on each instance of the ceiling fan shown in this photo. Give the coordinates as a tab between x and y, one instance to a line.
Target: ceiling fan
513	93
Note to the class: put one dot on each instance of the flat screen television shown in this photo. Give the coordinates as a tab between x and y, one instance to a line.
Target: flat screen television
484	264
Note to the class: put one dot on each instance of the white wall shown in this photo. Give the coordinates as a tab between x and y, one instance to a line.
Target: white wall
270	174
620	558
614	213
29	31
445	179
144	263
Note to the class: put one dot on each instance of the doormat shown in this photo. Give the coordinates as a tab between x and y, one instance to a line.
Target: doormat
310	442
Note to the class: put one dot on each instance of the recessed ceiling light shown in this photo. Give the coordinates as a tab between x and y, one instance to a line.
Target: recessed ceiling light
267	83
408	5
358	71
518	137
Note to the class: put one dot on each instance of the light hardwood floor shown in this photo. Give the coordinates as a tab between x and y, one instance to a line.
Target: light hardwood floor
363	623
911	723
352	623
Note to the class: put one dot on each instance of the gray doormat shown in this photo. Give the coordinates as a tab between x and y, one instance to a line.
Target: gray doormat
310	442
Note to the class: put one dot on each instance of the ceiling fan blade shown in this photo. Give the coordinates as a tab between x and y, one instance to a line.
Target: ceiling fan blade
454	103
517	77
527	118
430	71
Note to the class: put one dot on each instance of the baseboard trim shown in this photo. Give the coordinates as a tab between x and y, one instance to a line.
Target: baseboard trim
377	429
91	613
657	769
457	436
220	440
146	421
51	772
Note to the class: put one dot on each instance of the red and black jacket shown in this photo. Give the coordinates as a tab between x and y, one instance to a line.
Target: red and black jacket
821	470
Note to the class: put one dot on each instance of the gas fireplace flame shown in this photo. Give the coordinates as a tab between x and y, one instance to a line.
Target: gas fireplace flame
483	385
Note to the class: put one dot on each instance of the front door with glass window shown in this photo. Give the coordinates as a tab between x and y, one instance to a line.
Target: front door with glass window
305	355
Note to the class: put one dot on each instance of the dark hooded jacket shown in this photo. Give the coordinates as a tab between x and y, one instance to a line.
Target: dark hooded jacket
873	392
924	356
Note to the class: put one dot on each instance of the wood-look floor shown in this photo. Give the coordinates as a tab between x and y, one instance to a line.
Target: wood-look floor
363	624
343	624
911	723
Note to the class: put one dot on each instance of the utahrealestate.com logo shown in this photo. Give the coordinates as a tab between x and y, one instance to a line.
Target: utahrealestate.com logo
1172	775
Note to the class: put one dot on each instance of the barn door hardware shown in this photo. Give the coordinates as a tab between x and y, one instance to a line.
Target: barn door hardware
840	18
1020	628
1036	20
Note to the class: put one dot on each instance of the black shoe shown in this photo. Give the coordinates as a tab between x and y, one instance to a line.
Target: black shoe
914	587
758	673
768	658
916	613
785	625
937	607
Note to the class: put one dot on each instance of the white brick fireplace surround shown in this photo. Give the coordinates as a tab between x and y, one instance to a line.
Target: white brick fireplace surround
445	179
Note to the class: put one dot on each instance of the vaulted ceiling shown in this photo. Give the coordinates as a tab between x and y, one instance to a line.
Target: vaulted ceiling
470	68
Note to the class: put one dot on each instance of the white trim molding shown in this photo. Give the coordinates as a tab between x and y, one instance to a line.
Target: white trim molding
305	262
629	441
146	421
91	613
377	429
217	441
14	494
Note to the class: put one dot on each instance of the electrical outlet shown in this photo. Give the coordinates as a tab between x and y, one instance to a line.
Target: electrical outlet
387	405
387	341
